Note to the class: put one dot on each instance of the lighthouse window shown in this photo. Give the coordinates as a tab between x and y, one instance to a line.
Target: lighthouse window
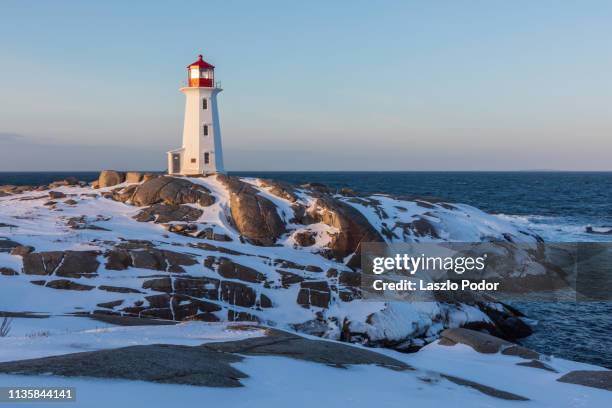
206	158
193	160
205	130
204	104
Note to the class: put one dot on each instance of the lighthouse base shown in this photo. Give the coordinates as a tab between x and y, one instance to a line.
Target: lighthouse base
177	165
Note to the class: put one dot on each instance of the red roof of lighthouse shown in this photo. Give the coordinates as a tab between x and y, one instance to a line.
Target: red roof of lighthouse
201	63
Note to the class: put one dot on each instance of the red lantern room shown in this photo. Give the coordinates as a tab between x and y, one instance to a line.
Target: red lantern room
201	74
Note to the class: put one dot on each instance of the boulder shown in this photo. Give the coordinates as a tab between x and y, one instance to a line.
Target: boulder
149	176
133	177
68	181
56	194
109	178
254	216
520	351
353	228
173	191
123	194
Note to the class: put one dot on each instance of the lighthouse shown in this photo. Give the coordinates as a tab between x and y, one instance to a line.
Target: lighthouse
201	152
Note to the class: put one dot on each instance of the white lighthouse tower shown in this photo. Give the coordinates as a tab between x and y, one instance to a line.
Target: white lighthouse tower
201	152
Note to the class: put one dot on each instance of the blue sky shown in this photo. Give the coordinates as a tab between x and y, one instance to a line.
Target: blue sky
329	85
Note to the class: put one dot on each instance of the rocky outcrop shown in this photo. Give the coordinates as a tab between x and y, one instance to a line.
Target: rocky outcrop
8	271
481	342
7	245
279	343
164	213
589	378
155	363
172	191
484	343
280	189
236	293
353	228
288	278
22	250
254	216
418	228
56	194
302	232
66	284
133	177
148	258
305	238
109	178
199	287
314	293
70	264
230	270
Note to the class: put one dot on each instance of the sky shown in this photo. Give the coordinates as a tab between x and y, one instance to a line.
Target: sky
317	85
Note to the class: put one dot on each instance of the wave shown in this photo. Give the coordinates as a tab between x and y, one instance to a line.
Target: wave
560	229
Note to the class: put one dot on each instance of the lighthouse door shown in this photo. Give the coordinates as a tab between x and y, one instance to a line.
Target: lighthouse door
176	163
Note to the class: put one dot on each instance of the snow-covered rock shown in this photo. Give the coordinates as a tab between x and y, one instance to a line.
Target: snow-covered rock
220	248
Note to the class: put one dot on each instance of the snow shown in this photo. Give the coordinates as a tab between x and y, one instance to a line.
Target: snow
56	335
280	382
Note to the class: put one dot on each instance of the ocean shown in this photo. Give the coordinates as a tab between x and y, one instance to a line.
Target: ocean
557	205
